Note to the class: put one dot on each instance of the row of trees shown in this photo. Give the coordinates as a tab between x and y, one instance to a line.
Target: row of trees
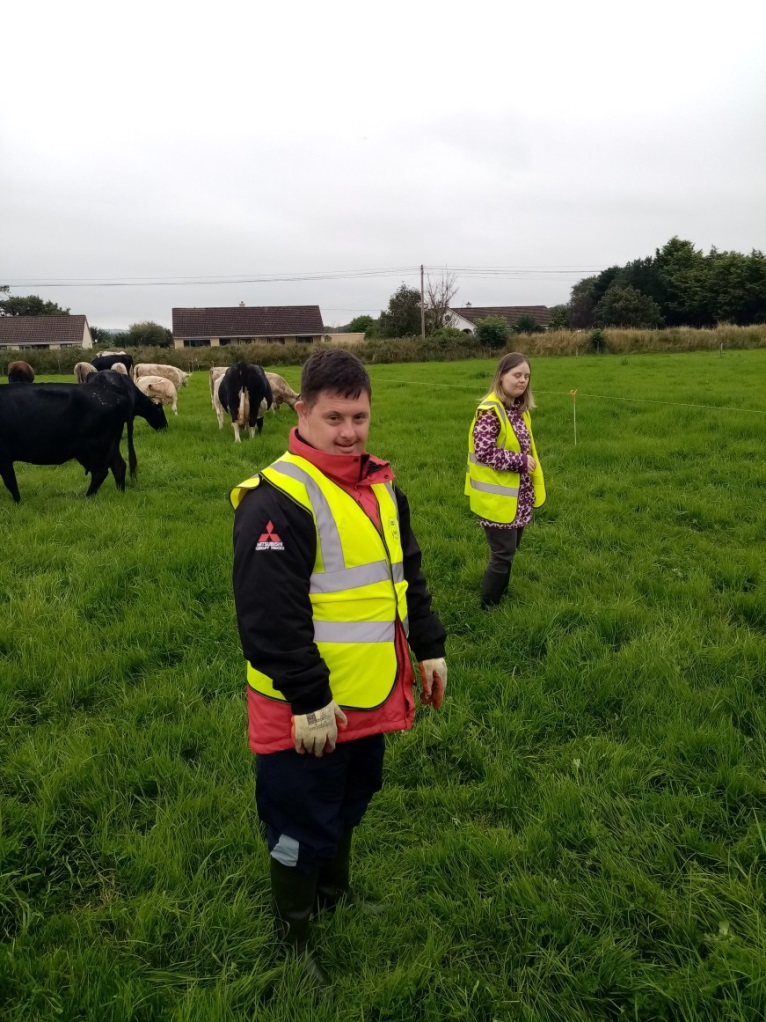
678	286
146	334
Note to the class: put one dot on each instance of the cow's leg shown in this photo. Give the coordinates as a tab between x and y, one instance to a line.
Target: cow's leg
236	433
97	476
220	418
251	431
9	478
118	467
259	424
175	404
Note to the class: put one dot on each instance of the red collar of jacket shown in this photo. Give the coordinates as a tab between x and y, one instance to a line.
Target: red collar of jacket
347	470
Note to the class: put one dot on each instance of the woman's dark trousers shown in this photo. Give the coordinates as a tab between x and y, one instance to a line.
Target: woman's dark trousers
503	544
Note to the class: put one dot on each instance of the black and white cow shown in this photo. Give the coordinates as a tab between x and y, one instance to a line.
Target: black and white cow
243	387
106	361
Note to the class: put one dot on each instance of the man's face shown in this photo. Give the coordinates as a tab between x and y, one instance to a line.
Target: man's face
335	424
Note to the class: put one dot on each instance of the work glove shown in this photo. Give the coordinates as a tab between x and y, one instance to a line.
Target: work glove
317	732
433	674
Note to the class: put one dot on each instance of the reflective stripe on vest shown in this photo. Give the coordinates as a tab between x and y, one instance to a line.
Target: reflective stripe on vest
358	571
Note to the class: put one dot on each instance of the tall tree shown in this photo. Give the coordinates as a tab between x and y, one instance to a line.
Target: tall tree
30	305
148	334
439	294
627	307
359	325
684	271
559	317
402	318
738	283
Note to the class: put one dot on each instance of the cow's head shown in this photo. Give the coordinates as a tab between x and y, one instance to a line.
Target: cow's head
147	409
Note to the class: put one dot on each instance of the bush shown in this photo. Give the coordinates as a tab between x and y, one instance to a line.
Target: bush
527	325
492	331
597	342
449	334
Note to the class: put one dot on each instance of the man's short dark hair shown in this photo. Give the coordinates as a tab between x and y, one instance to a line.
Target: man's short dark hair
337	371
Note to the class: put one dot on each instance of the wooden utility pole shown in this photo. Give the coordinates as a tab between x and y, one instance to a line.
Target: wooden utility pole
422	306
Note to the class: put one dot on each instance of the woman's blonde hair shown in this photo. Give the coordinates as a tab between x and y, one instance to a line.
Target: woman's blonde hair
510	361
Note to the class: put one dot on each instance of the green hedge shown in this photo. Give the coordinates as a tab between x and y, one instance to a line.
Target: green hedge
413	349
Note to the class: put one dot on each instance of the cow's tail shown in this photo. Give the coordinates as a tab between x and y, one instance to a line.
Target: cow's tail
243	414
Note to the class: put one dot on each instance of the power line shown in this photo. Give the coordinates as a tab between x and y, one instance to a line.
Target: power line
203	280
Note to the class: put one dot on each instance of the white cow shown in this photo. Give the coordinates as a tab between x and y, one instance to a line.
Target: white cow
216	372
160	390
118	367
215	385
282	392
176	376
82	371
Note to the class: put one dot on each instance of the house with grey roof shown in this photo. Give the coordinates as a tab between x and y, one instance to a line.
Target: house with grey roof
243	324
466	317
41	332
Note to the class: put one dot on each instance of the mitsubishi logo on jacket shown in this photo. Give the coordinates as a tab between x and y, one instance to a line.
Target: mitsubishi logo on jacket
269	540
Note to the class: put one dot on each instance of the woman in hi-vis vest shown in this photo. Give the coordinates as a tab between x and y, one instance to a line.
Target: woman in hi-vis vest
504	478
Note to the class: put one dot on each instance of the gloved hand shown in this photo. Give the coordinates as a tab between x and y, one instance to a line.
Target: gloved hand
433	674
317	732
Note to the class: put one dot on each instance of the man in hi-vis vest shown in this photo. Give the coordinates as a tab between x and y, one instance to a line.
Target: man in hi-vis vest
330	596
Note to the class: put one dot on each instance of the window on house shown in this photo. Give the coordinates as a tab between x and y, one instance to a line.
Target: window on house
304	340
197	342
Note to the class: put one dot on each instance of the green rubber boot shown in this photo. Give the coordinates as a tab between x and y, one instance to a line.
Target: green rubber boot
293	896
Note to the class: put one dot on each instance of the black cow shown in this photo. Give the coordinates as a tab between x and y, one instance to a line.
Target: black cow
50	423
107	361
245	393
137	403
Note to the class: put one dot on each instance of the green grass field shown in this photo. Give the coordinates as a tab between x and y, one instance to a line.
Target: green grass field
579	834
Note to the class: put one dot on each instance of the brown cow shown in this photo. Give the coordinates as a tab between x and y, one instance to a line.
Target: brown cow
20	372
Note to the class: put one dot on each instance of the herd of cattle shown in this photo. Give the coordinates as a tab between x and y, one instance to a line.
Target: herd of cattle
50	423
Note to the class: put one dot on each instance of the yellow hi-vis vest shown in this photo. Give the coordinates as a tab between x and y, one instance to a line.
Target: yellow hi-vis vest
495	495
357	588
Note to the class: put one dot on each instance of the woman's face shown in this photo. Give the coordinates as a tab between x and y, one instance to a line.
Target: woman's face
516	380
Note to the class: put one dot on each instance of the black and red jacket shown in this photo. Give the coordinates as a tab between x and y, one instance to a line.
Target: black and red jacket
271	594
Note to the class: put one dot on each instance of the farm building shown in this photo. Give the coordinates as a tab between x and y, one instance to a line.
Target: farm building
20	332
465	319
243	324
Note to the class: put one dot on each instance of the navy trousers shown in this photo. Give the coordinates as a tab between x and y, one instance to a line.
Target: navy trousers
308	804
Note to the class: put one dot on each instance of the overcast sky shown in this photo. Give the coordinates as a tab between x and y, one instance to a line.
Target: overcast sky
165	140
